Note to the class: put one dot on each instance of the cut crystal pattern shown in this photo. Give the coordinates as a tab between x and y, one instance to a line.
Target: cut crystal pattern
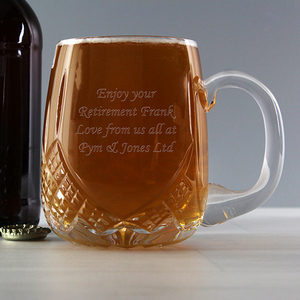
67	204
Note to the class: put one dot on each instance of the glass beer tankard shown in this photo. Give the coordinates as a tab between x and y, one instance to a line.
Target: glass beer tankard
125	151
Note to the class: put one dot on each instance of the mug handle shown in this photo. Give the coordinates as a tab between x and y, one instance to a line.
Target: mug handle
224	204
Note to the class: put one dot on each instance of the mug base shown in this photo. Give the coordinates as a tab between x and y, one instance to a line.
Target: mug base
127	237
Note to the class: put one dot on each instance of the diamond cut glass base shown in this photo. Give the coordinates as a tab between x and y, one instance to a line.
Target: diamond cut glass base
75	216
125	237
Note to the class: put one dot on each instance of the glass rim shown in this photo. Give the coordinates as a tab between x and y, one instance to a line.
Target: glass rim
128	38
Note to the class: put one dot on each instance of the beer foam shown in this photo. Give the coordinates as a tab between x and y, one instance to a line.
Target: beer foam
126	39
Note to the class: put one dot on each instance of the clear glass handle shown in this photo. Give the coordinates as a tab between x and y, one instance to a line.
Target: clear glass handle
224	204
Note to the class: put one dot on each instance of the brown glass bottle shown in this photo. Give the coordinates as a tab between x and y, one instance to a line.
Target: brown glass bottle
20	113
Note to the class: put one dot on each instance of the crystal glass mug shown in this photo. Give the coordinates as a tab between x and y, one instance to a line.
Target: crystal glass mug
125	154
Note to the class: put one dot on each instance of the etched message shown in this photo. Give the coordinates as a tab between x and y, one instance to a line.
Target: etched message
137	112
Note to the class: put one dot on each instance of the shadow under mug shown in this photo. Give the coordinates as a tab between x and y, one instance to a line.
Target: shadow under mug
125	155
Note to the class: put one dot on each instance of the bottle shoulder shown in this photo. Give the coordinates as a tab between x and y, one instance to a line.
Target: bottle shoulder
18	23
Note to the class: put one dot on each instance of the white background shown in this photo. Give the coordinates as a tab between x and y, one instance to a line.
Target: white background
259	37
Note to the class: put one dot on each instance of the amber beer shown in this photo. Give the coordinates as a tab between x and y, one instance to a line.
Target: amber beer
125	142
